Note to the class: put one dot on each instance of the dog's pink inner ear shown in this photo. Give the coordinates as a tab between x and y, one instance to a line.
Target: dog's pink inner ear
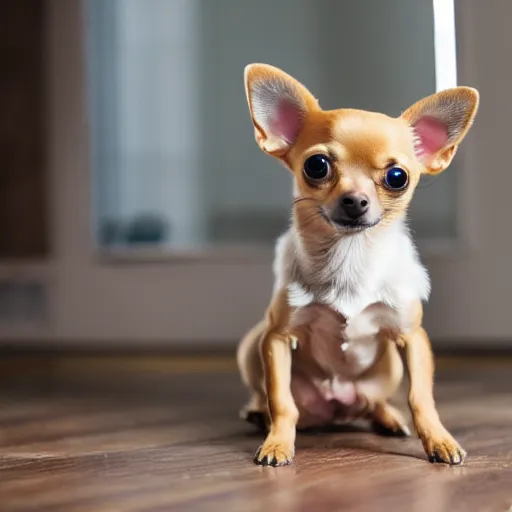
431	136
286	121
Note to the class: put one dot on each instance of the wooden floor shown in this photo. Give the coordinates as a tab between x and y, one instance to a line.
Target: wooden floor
110	434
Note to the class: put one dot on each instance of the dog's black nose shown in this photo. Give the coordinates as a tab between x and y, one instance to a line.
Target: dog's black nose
354	205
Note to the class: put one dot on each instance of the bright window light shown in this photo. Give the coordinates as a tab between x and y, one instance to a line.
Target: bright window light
445	46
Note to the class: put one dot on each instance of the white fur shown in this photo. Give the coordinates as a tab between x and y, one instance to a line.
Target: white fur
279	266
375	274
266	95
298	297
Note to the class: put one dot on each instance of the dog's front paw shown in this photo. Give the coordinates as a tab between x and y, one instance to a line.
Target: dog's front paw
275	453
444	450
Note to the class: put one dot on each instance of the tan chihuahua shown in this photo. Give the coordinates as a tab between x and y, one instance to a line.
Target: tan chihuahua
349	284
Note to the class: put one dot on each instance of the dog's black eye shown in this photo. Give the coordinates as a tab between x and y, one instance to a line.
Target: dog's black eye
396	179
317	167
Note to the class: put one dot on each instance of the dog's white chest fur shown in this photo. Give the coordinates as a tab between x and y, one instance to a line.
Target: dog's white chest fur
371	278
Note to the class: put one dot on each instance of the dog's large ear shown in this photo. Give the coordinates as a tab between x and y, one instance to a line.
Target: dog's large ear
278	104
439	123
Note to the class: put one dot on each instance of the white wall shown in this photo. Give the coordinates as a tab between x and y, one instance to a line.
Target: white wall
472	291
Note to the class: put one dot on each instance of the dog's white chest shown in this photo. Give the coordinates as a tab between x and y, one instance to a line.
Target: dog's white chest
370	281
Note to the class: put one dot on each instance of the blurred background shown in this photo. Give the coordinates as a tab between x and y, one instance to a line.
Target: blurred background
135	207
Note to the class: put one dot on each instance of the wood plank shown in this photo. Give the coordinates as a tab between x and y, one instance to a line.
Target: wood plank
103	434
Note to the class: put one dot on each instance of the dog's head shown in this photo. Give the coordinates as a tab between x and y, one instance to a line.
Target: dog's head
359	167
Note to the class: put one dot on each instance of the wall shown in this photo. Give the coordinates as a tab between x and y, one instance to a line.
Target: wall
472	291
213	300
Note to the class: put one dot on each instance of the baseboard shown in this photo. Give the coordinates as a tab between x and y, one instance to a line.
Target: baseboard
223	349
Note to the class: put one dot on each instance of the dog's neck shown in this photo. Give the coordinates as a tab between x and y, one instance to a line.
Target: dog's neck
349	271
326	254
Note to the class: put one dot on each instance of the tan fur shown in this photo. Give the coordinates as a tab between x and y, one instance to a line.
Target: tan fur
361	146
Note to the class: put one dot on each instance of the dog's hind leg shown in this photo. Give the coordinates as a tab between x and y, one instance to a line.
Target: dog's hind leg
380	384
386	420
251	371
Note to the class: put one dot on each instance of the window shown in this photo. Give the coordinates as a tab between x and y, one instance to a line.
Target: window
175	165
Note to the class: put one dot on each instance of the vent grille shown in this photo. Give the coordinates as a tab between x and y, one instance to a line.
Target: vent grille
22	301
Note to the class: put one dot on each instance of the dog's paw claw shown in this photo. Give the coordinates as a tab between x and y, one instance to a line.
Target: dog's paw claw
399	431
273	454
447	452
266	461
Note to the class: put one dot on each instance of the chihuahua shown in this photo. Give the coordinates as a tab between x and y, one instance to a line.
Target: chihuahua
349	284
